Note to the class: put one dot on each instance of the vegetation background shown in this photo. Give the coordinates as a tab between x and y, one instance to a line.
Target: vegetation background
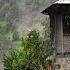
17	17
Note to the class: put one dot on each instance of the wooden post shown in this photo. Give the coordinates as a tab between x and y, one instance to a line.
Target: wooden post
59	36
62	41
59	33
62	34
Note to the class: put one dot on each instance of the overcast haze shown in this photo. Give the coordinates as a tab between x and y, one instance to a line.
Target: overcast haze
31	12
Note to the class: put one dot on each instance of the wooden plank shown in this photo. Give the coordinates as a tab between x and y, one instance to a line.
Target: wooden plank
59	34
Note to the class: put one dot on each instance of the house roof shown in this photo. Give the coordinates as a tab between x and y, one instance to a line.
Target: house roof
63	2
58	7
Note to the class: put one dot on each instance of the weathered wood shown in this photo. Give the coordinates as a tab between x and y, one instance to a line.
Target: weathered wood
49	65
59	34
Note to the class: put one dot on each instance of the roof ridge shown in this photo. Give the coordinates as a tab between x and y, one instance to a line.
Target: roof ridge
63	1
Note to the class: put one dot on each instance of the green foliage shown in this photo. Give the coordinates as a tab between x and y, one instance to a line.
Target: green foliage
46	33
8	17
30	56
9	10
7	34
15	36
5	37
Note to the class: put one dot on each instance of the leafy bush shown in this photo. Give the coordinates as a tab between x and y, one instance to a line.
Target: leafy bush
15	36
30	56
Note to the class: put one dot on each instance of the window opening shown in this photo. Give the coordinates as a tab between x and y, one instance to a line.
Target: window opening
66	25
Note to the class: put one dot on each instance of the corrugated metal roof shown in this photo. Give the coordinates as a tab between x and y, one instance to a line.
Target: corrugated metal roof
63	2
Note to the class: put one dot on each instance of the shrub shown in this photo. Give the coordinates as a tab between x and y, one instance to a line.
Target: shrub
30	56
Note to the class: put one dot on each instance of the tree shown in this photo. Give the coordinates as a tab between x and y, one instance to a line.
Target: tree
9	10
9	14
15	36
30	56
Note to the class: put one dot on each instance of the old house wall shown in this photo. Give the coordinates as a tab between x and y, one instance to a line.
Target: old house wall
60	42
62	45
66	45
62	63
59	34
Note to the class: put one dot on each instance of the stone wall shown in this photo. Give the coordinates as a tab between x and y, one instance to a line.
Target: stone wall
62	63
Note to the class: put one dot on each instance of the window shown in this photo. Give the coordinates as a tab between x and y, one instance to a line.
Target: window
66	25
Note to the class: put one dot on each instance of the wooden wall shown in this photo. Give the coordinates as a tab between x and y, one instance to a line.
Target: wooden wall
57	30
